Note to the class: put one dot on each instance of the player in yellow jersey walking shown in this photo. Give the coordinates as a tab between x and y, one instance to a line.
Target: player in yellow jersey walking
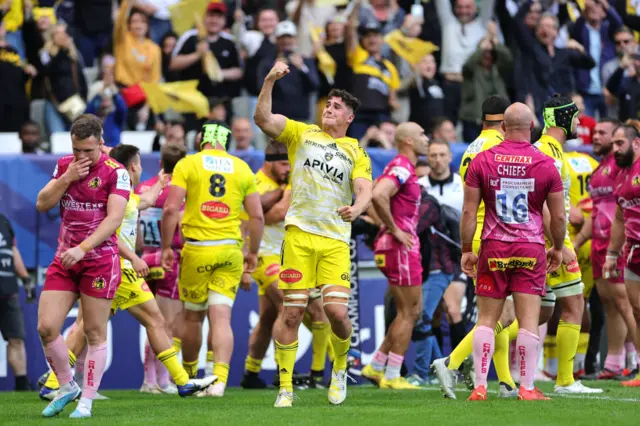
328	168
214	186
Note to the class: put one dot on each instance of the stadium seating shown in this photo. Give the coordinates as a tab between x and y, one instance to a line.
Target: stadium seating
10	143
143	140
61	143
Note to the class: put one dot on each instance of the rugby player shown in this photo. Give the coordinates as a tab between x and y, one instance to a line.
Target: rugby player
625	228
396	198
328	169
214	186
514	180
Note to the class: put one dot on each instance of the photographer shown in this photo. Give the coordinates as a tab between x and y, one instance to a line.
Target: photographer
109	106
11	321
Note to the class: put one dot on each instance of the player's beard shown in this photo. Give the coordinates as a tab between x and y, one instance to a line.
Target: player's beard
624	159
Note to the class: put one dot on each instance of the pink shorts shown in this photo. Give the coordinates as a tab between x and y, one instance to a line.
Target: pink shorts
505	268
631	256
402	267
598	258
167	286
99	277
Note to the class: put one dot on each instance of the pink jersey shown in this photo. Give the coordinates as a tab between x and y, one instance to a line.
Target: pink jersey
404	204
151	218
515	179
84	205
628	197
601	190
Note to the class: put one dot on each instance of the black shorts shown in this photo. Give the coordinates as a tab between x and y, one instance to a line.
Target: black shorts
11	321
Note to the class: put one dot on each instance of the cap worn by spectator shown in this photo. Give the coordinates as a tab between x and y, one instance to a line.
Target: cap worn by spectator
286	28
370	27
217	7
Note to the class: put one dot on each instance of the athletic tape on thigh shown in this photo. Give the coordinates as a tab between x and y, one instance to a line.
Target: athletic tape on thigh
216	298
568	290
337	295
296	300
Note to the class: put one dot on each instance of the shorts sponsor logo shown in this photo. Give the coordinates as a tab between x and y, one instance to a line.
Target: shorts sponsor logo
185	292
573	267
290	276
502	264
272	270
516	159
99	283
95	183
215	210
380	260
345	277
210	268
156	273
485	283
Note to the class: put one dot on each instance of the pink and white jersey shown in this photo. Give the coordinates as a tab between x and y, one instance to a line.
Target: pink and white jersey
151	218
601	190
84	205
404	204
627	194
515	179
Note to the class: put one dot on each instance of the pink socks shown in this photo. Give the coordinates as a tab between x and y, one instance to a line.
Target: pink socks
528	348
483	347
94	369
57	355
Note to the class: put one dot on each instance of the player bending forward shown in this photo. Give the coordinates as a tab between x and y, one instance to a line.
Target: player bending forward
328	168
514	179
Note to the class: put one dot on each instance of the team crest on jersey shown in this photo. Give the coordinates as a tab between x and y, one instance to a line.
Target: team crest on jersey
635	181
328	156
99	283
606	171
95	183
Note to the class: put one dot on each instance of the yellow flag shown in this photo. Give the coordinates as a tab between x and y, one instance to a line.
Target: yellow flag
331	2
411	49
180	96
326	63
183	13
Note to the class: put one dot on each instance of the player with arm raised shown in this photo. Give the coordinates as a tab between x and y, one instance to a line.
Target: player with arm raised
328	169
514	180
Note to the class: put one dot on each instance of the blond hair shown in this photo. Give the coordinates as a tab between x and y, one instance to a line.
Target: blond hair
52	48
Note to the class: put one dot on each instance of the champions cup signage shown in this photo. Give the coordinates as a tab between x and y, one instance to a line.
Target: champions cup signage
354	362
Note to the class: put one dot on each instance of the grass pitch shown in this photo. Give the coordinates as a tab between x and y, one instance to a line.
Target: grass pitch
365	405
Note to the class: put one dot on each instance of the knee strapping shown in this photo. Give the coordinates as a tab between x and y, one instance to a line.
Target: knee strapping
296	300
335	298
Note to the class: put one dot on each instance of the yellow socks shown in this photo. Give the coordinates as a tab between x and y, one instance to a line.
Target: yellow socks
320	336
221	370
209	356
513	330
52	380
170	360
341	349
567	343
191	367
286	358
177	344
501	358
581	352
330	352
252	365
462	351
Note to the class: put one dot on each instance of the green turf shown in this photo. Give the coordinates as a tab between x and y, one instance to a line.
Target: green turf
364	406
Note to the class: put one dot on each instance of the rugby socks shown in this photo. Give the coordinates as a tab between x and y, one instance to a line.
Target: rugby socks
330	352
581	352
501	358
513	330
94	366
614	362
57	355
394	364
462	351
252	365
177	344
631	357
320	336
150	377
483	346
191	367
341	348
550	355
210	365
80	361
527	345
286	358
170	360
379	361
567	344
222	371
162	374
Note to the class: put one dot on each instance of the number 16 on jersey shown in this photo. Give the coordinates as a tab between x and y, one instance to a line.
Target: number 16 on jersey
512	198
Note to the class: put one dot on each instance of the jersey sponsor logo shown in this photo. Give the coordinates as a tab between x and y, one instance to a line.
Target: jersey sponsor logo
68	203
502	264
217	164
600	191
580	165
215	209
210	268
99	283
290	276
516	159
400	173
380	260
345	277
330	172
475	147
628	204
336	152
517	171
272	270
527	185
95	183
494	183
124	182
109	162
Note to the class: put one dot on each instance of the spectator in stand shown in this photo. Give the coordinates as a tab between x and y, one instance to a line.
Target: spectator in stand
375	137
110	107
93	28
443	130
595	30
586	124
167	44
624	84
173	134
33	33
217	110
306	15
14	105
31	136
187	59
386	12
64	79
160	17
106	76
462	30
426	94
241	135
11	12
625	44
291	96
485	74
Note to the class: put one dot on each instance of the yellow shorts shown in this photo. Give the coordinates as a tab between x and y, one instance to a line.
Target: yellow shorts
267	272
567	280
586	267
132	291
308	261
204	268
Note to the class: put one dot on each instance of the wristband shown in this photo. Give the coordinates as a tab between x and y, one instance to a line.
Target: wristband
467	247
610	257
85	246
613	252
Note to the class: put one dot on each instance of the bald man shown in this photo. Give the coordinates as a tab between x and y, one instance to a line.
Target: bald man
514	179
396	198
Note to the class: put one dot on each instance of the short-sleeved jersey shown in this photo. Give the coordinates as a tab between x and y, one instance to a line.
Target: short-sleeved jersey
84	205
128	230
405	203
627	194
8	280
323	170
151	218
515	179
273	234
217	184
601	189
581	167
486	140
550	146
